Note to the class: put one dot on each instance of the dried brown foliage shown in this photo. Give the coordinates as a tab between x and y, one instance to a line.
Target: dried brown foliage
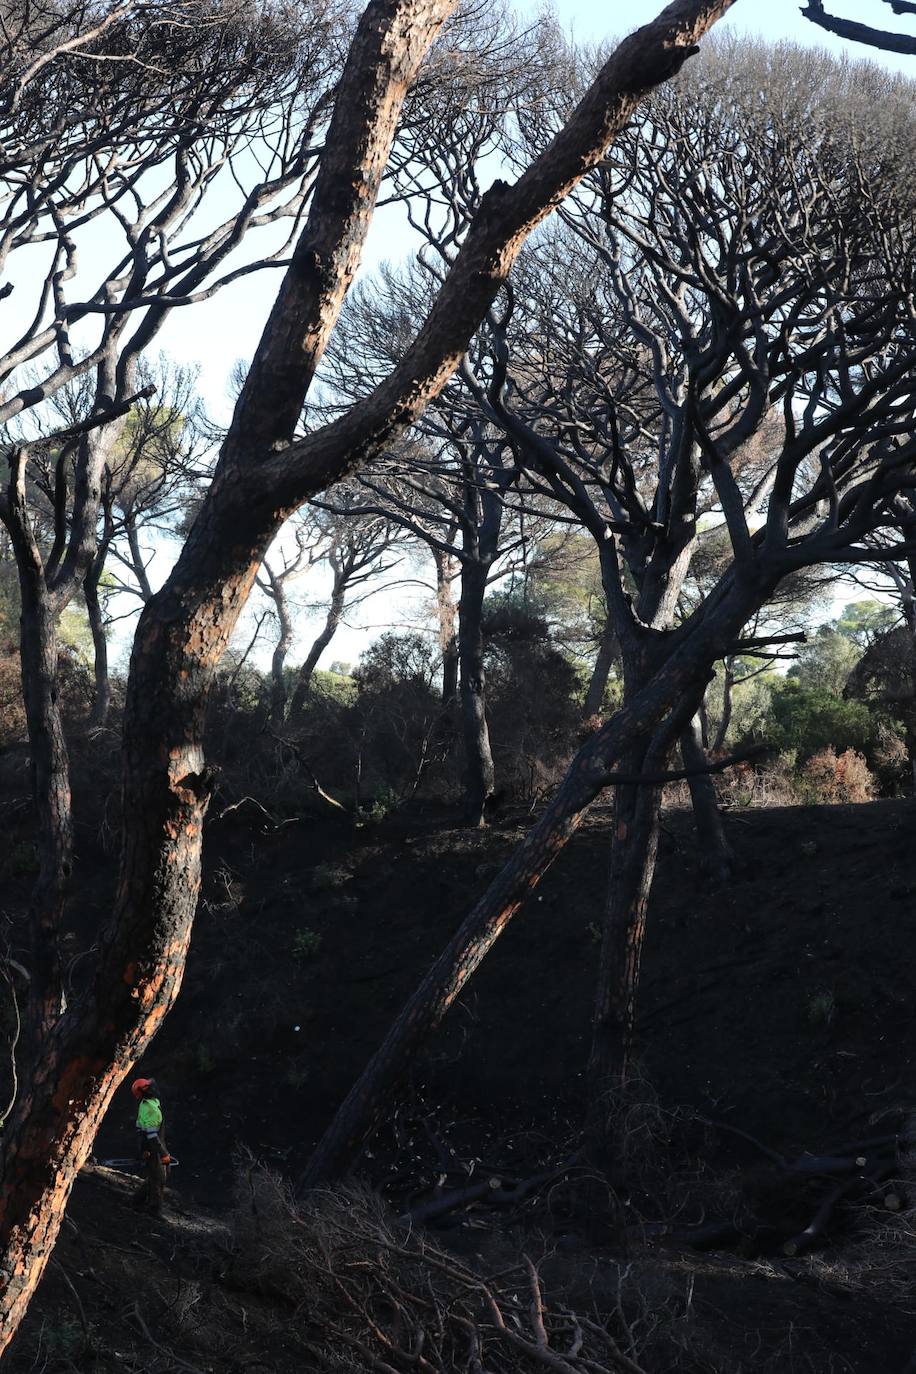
12	711
830	778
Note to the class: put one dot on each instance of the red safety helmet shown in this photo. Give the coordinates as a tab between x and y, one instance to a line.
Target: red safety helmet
142	1085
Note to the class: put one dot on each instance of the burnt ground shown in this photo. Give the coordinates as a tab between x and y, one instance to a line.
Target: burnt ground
779	1008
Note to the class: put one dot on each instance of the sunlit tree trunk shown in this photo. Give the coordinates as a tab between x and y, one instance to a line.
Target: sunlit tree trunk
447	615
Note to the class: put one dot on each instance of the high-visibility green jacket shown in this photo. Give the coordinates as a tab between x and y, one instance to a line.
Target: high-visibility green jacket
149	1115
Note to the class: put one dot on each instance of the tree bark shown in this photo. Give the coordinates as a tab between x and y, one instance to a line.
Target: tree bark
50	773
478	756
447	614
634	844
101	700
728	684
597	685
281	649
716	855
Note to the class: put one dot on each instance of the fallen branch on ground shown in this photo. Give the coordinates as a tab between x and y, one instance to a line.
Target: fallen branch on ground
307	768
365	1287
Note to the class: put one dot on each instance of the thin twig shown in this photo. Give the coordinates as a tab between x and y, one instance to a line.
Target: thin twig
17	1031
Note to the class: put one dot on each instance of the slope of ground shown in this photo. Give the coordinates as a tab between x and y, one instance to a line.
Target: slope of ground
781	1005
778	1008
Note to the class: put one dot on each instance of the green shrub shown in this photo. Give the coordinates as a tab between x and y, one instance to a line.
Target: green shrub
809	720
22	859
306	944
386	801
822	1008
326	876
203	1059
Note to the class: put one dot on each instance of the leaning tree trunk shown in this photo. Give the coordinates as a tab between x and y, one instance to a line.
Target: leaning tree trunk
360	1113
322	640
634	843
101	698
664	697
182	634
278	657
716	857
478	757
597	685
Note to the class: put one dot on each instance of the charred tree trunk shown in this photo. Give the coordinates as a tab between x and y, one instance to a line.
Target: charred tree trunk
40	613
362	1110
450	673
50	771
634	844
728	687
479	771
672	691
597	685
715	852
101	699
634	837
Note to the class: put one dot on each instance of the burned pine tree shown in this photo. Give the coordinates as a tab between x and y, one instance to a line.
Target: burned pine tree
781	275
265	471
452	490
64	176
452	484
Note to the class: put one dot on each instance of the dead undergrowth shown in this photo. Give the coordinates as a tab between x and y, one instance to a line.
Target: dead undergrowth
371	1290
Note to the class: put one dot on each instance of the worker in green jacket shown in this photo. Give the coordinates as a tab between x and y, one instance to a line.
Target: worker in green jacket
154	1155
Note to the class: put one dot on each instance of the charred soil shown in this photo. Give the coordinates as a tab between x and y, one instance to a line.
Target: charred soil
774	1013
